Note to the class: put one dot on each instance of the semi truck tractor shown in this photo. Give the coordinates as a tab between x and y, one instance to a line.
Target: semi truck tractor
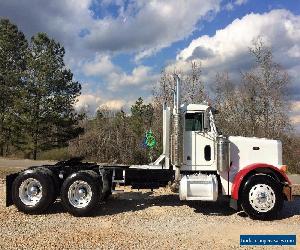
200	163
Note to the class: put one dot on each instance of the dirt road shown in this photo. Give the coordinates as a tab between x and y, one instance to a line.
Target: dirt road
14	165
141	220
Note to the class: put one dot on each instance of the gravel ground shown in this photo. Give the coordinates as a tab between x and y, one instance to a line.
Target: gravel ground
141	220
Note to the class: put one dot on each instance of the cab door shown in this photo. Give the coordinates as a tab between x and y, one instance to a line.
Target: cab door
193	123
198	153
204	153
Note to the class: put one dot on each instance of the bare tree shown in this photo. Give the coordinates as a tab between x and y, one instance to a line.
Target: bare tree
259	105
193	86
228	102
268	84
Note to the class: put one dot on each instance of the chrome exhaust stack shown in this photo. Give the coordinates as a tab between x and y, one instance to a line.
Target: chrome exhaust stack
177	152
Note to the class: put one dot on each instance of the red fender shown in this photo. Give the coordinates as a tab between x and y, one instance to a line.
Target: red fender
243	172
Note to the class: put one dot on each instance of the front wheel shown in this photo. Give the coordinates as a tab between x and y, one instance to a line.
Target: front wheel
262	197
81	192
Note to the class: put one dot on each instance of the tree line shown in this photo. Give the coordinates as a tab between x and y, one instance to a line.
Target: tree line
37	94
258	105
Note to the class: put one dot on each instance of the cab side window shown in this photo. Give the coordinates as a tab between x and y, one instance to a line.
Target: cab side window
194	121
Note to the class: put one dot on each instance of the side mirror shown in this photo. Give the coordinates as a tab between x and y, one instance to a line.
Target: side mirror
215	111
206	124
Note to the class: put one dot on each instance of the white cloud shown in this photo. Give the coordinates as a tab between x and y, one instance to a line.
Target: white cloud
140	75
295	114
296	120
114	104
229	6
100	66
145	53
149	25
240	2
89	103
294	51
63	19
296	107
143	27
228	49
119	89
139	25
115	78
238	36
232	4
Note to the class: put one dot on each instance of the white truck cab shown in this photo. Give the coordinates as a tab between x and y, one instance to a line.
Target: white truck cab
209	165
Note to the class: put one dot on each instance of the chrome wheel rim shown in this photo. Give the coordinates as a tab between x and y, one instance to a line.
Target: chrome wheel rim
30	192
262	198
80	194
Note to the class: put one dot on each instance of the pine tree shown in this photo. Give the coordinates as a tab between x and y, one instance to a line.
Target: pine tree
141	121
13	48
51	94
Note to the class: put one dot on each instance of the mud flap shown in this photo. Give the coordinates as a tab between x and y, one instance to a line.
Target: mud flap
234	204
287	191
9	182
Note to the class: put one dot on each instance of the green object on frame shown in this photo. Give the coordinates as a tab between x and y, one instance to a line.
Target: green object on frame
150	139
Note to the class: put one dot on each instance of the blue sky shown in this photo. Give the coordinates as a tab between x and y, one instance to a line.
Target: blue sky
117	49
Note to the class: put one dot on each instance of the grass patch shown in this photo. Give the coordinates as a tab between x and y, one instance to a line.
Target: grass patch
56	154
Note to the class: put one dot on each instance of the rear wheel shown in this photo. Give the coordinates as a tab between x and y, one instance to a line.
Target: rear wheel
80	192
33	191
55	180
262	197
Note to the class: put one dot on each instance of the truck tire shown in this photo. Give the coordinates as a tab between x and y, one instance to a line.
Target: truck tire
262	197
81	192
33	191
55	179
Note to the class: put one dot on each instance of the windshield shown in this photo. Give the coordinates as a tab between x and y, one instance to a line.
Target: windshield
194	121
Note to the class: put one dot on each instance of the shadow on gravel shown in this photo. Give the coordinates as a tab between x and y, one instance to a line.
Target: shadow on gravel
136	201
290	208
145	200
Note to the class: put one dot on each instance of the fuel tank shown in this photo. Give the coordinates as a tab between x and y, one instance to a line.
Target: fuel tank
223	153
